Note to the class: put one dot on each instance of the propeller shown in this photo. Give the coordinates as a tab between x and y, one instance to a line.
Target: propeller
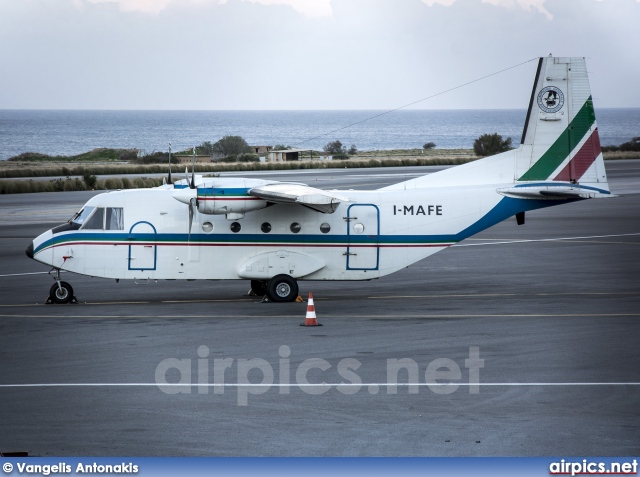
193	208
192	185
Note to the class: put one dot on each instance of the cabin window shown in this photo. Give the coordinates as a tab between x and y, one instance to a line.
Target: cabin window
114	219
295	227
235	227
207	227
266	227
96	221
325	228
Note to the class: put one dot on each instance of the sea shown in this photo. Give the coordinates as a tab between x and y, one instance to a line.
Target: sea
71	132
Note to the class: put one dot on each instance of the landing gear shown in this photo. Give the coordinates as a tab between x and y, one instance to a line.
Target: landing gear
282	288
259	287
61	292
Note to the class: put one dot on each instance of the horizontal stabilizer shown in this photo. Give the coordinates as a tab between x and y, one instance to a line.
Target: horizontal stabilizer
553	192
316	199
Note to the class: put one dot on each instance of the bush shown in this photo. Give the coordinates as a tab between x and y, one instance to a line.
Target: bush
248	158
340	156
90	180
633	145
206	148
156	158
490	144
429	145
353	150
335	147
230	146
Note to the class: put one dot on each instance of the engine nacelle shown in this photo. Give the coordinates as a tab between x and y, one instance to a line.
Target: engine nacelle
223	197
216	204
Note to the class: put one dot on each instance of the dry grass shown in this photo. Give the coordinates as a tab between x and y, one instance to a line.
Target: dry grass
609	155
391	158
68	184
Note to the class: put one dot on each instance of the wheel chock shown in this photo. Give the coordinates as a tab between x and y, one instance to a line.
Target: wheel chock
299	299
73	301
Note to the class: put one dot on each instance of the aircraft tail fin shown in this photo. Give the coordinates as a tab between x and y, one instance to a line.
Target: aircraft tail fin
560	141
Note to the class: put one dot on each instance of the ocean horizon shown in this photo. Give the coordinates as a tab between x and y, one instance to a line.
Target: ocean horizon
71	132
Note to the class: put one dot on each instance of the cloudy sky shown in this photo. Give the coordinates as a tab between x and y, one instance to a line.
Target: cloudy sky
306	54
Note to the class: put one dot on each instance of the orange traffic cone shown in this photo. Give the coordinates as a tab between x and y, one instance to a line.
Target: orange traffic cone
311	313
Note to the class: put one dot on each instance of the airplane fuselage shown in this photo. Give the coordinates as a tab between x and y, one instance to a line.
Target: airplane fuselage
375	234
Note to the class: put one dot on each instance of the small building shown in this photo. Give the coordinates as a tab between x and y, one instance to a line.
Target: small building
188	159
286	155
261	150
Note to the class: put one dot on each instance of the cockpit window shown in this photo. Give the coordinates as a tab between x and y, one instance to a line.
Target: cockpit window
81	216
114	220
96	221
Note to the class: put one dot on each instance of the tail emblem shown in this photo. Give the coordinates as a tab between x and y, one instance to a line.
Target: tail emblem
551	99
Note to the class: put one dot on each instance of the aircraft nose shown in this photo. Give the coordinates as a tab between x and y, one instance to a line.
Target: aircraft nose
29	250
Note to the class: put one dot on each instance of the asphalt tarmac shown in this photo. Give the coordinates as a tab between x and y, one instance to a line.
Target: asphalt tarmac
552	309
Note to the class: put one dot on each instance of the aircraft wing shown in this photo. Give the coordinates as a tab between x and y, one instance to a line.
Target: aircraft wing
283	193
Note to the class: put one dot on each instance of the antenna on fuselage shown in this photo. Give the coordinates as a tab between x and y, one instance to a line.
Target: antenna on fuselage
169	181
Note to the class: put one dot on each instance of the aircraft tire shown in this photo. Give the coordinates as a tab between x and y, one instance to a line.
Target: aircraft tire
282	288
259	287
61	296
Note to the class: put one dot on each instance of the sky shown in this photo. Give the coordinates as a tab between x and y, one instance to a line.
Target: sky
307	54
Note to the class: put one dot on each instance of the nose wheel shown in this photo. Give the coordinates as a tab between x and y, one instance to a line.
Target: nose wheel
61	292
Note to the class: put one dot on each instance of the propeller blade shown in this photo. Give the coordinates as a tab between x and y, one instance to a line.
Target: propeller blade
192	204
193	170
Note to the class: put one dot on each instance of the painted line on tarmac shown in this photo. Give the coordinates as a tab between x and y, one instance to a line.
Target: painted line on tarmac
30	273
386	297
494	295
311	385
112	303
241	300
543	240
329	315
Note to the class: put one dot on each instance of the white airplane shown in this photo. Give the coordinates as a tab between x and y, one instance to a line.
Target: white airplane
276	233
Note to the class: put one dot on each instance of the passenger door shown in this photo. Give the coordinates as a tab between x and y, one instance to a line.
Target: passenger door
142	247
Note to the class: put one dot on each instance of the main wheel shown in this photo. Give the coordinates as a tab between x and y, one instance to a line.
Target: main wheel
62	294
259	287
282	288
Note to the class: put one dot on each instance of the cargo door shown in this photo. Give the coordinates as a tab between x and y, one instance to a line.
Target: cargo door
363	231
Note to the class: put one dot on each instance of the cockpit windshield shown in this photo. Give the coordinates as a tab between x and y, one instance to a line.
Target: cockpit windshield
81	216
